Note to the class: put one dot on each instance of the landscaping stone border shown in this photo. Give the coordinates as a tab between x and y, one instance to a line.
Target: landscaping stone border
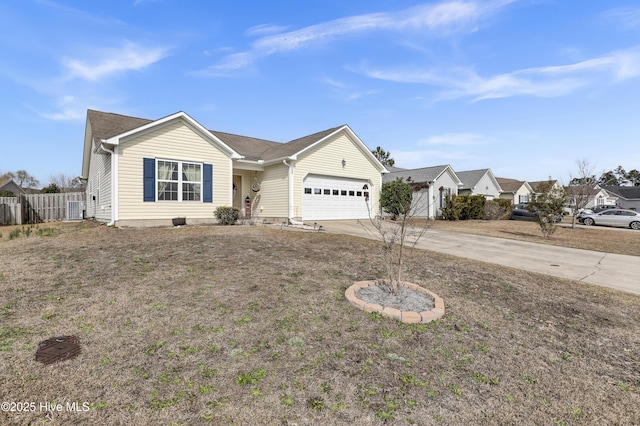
409	317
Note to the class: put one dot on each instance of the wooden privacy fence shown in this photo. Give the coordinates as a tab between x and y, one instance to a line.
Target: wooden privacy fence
37	208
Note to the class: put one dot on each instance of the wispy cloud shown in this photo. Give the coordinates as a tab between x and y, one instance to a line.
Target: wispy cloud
549	81
346	92
264	29
626	18
435	19
111	61
67	107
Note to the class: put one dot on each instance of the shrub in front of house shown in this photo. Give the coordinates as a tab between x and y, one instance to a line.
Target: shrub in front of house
227	215
464	207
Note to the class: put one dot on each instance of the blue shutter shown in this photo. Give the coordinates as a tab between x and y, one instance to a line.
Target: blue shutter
149	179
207	183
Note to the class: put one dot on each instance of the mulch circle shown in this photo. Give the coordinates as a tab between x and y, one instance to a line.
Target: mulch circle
58	349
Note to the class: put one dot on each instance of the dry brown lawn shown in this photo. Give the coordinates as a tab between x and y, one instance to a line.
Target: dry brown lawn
598	238
249	325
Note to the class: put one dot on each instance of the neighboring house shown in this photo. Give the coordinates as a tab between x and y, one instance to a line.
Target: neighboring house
628	197
479	182
517	191
8	185
435	183
143	172
536	184
594	196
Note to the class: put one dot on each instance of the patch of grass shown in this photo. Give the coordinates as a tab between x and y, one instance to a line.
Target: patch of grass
287	400
316	403
154	348
455	389
251	377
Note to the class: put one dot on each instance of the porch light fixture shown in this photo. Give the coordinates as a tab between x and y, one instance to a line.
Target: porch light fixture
344	162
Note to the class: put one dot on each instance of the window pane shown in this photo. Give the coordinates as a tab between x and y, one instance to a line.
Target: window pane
167	170
327	192
191	172
190	192
307	190
317	191
167	191
335	192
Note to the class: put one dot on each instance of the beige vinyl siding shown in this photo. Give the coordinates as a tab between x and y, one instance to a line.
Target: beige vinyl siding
99	186
326	159
273	199
175	141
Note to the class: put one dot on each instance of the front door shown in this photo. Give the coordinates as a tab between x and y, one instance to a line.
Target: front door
237	192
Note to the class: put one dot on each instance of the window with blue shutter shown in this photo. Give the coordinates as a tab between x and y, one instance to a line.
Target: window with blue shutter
207	183
166	180
149	179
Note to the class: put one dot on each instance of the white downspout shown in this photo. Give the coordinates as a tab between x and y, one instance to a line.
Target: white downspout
114	182
290	181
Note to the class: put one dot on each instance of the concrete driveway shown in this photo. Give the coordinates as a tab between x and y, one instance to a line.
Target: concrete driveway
611	270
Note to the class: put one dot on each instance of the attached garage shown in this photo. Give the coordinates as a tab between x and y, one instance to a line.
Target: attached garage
332	197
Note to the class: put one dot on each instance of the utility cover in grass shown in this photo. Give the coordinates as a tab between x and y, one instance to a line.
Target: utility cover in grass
406	300
57	349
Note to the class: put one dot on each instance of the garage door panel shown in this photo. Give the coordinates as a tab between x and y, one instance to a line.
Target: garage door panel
327	197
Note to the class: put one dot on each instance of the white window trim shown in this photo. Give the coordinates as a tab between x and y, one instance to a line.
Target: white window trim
180	181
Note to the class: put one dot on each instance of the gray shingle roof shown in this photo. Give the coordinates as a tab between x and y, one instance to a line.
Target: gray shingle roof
470	178
626	192
105	125
425	174
251	148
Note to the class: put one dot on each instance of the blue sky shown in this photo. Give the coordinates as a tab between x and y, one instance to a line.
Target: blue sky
525	87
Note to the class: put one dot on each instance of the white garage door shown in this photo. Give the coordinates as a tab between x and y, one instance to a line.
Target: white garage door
328	197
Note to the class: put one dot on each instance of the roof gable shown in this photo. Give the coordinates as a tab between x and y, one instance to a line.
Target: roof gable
8	184
471	178
182	117
513	185
424	174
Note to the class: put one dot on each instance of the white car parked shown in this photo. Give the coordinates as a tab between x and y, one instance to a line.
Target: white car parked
612	217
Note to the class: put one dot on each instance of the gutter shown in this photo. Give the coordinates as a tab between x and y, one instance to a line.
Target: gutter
290	182
113	181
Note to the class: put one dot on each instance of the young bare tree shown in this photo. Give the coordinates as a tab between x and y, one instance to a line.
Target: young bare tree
401	200
548	203
23	179
581	188
65	182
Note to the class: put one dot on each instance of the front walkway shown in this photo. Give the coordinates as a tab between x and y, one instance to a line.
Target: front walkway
611	270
